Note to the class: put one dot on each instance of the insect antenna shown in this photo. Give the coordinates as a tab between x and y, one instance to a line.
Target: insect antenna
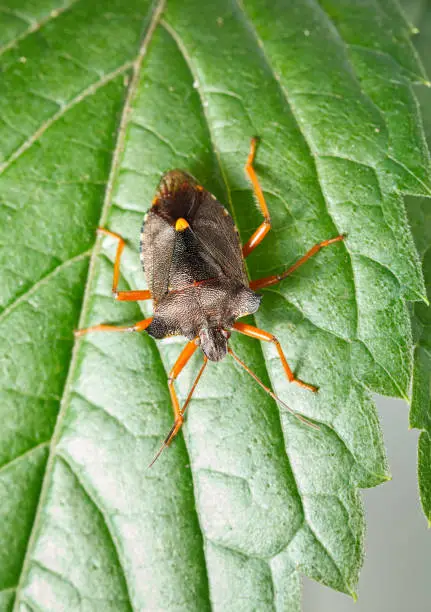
192	390
164	445
174	429
275	397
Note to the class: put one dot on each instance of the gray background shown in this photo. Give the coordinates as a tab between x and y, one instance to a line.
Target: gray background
396	576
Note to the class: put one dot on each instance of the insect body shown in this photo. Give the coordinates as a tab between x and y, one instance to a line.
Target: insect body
194	265
193	262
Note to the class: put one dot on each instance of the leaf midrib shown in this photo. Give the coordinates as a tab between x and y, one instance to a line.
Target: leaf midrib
136	64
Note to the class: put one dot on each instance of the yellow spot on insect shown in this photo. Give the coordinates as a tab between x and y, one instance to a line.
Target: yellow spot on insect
225	212
155	201
181	225
199	187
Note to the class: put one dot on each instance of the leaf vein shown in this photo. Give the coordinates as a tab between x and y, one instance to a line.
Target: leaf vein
92	497
34	26
108	196
159	137
15	460
402	70
88	91
291	106
42	281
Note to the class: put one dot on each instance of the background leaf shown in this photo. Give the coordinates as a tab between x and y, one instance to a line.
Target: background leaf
419	212
249	496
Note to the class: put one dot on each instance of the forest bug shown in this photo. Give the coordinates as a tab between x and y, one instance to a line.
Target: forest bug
194	266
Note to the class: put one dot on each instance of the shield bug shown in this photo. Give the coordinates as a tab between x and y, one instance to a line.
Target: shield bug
194	265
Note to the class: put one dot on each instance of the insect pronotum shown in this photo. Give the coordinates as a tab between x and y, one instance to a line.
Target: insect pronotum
196	276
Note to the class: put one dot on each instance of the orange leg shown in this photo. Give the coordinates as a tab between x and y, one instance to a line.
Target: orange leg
139	326
124	296
179	365
264	227
260	283
259	334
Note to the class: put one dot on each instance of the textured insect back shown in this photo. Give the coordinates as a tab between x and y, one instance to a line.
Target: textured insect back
244	303
158	328
157	245
189	264
179	195
175	197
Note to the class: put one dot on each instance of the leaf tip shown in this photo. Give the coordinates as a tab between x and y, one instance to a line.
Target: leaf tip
354	596
405	396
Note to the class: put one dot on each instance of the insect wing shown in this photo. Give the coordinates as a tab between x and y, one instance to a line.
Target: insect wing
217	233
157	247
180	196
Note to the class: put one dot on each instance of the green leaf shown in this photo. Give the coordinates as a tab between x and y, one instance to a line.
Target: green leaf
249	496
419	211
